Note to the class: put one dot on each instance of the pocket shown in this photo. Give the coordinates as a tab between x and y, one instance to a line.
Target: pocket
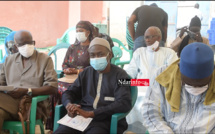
109	98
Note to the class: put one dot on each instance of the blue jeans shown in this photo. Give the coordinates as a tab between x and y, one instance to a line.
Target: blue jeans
140	42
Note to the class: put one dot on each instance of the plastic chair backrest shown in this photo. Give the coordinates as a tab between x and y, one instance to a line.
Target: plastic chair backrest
128	36
68	37
4	32
54	50
120	44
16	126
117	54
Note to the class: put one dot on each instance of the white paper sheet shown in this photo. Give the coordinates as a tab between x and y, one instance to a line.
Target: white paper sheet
78	122
6	88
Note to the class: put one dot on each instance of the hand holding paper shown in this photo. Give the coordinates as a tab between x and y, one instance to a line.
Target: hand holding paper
78	122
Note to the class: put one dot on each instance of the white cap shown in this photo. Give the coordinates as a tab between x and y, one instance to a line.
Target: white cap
101	42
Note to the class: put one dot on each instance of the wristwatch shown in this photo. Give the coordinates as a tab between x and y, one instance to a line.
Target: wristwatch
29	92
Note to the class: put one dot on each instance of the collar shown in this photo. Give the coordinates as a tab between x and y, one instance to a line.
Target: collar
18	58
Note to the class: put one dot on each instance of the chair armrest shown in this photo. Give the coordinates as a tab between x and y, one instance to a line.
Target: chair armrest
60	73
39	98
60	111
33	114
114	121
35	100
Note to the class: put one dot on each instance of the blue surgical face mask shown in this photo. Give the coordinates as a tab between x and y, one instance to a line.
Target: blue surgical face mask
99	64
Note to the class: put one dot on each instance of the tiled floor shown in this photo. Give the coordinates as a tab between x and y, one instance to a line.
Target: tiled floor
37	130
136	128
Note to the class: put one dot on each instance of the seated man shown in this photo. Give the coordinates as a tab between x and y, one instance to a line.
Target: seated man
30	72
182	98
144	63
194	35
98	92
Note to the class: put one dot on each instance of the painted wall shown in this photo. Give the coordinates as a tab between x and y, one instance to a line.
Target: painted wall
46	20
92	11
74	12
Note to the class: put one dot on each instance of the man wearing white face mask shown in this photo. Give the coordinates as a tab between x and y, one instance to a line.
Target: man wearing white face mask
144	63
181	98
29	72
98	92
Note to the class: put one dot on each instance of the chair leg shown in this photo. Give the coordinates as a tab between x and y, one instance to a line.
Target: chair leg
11	131
40	123
42	129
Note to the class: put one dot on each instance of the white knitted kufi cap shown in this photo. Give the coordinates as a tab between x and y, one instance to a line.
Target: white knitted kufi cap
101	42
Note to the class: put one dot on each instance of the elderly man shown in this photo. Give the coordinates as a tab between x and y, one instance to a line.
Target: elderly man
99	94
144	63
182	98
147	16
29	72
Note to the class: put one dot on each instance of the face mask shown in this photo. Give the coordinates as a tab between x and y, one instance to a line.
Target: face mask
153	47
26	50
81	36
195	90
99	64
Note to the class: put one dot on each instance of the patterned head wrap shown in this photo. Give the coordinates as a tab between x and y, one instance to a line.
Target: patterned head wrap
88	26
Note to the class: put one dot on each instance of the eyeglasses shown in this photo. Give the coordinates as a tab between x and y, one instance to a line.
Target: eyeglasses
22	44
149	37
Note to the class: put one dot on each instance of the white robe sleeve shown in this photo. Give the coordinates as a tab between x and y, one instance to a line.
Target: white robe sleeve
172	57
133	66
154	103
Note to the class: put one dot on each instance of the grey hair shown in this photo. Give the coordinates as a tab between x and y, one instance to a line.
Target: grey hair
157	30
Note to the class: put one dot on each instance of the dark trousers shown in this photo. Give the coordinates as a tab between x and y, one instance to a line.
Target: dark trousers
92	130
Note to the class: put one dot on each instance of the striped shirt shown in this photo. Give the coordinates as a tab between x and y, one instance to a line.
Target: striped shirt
193	115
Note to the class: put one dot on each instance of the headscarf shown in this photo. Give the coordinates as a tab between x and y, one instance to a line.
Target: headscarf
88	26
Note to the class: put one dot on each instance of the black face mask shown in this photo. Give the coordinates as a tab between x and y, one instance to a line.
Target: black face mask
192	35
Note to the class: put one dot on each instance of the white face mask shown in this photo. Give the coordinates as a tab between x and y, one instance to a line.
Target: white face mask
81	36
195	90
26	50
153	47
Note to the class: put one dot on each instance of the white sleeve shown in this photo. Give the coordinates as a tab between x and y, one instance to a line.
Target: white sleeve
153	107
171	57
132	68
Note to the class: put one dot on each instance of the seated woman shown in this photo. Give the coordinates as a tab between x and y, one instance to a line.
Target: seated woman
77	56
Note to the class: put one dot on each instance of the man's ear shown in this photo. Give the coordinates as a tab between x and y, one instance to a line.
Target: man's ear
111	54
